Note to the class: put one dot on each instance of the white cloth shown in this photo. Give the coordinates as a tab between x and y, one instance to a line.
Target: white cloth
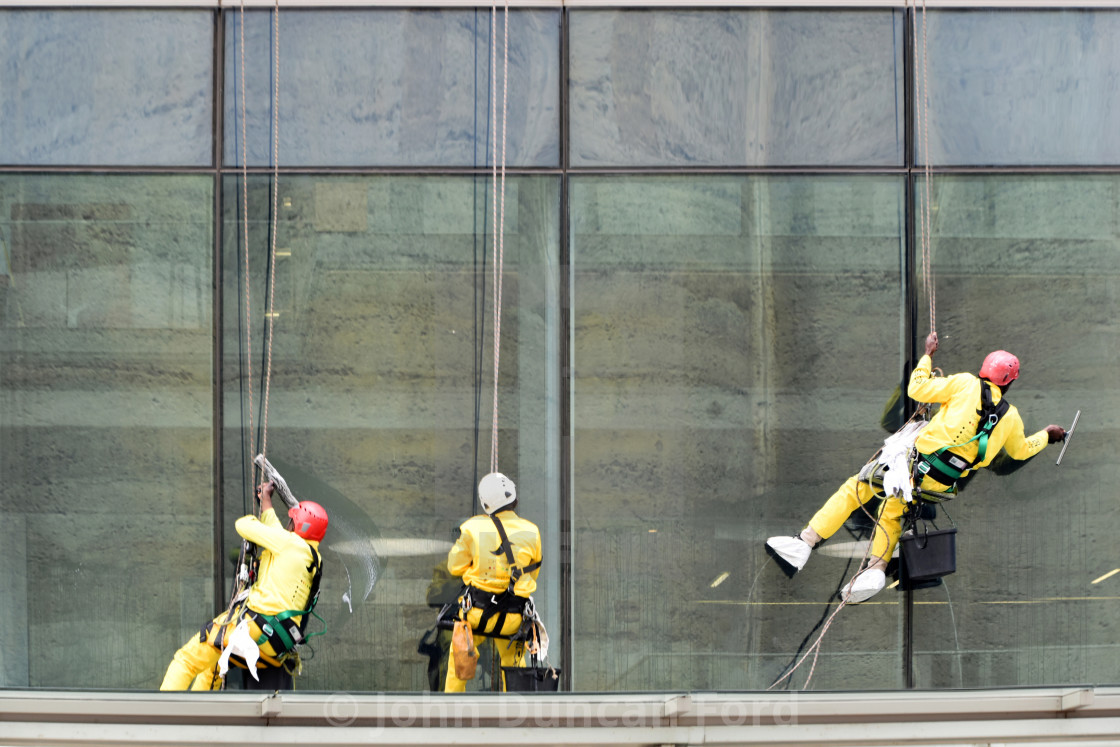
240	642
539	648
895	458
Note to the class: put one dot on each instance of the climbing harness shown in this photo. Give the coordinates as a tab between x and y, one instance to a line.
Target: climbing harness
493	604
281	631
505	548
946	466
507	602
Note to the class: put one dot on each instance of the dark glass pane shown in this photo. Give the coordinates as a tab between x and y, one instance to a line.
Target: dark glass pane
393	88
106	425
1023	87
735	87
734	343
1029	264
380	392
106	87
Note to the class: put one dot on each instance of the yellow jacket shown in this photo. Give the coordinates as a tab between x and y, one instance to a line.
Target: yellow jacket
473	554
957	419
285	572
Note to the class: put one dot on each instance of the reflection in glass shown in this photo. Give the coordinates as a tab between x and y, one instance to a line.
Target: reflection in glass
1024	87
381	385
112	88
734	343
1030	264
394	88
735	87
105	427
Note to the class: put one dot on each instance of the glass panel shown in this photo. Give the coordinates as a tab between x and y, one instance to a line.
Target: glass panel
1030	264
381	383
106	87
1052	96
394	88
734	341
735	87
106	465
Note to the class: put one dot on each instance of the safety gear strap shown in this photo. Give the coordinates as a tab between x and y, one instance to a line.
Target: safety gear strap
515	571
276	630
947	466
507	602
989	416
495	605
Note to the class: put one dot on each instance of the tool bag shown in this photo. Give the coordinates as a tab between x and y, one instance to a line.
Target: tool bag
927	554
464	657
533	678
538	676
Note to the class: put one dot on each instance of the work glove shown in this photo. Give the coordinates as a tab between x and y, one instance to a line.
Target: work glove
1055	433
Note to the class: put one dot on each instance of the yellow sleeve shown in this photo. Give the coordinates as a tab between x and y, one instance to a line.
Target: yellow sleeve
527	554
1019	446
924	387
538	558
265	531
269	518
460	557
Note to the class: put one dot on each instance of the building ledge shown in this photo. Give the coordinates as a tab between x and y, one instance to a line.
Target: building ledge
1057	715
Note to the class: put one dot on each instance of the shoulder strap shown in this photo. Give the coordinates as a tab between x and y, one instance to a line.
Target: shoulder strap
316	569
515	571
990	415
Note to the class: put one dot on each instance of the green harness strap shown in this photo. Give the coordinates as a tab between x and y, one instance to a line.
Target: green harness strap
271	626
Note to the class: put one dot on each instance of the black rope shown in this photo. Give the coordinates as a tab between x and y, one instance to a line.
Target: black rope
479	300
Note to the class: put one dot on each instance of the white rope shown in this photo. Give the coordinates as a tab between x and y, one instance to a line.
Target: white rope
242	577
245	242
921	102
814	650
275	207
499	218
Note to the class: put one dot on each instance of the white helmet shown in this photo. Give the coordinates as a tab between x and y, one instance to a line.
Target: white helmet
495	491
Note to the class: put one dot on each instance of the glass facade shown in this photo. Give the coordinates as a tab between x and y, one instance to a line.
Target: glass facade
734	88
106	87
107	423
712	292
713	398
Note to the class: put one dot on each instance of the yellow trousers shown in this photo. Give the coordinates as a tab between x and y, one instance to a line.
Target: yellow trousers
853	494
511	655
195	665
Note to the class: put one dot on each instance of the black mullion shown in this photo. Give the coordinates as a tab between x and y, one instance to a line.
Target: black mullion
217	318
565	378
910	291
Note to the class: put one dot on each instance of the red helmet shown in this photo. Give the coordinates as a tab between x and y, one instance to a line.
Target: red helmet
309	520
1000	368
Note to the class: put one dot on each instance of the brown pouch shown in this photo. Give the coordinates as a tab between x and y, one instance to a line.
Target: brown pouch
463	653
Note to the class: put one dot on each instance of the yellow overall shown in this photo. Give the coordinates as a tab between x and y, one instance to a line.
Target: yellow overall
283	583
473	558
954	424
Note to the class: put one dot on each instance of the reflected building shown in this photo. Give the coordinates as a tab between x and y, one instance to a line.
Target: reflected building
713	225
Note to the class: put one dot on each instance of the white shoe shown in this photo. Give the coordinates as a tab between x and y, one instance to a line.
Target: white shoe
865	585
793	550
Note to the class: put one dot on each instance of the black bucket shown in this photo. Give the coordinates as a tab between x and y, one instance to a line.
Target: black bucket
928	555
532	679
